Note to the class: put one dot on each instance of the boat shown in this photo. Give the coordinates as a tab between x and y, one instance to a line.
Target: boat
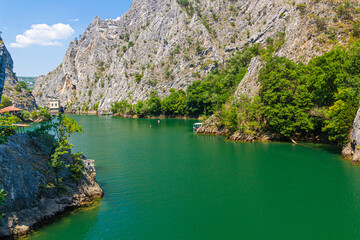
20	125
196	126
105	114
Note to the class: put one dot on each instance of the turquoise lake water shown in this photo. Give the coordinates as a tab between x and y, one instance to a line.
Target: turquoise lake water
161	181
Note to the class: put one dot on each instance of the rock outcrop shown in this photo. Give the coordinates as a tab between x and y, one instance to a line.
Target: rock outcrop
249	85
308	32
352	149
20	97
2	66
28	179
163	44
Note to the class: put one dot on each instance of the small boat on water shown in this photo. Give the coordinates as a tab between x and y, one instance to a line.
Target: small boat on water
105	114
20	125
196	126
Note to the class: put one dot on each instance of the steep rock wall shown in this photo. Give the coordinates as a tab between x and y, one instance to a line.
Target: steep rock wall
2	66
27	178
352	150
20	97
162	44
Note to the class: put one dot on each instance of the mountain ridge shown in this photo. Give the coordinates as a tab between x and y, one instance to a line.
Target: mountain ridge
163	44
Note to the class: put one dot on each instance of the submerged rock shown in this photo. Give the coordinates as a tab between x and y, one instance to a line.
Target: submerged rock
32	200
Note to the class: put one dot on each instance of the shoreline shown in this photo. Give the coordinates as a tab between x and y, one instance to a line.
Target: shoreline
35	203
93	113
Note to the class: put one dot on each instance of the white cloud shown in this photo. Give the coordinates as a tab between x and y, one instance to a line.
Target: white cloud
113	19
74	20
44	35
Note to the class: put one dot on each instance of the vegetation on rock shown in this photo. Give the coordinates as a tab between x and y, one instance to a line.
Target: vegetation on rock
2	199
317	100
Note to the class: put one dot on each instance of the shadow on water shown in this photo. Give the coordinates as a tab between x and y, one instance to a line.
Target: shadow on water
86	214
332	149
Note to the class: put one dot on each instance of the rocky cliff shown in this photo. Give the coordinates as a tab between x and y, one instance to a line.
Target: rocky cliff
352	150
2	66
20	96
28	179
163	44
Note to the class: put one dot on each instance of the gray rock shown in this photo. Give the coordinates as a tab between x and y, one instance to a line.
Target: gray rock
96	69
27	178
249	85
351	150
2	66
8	80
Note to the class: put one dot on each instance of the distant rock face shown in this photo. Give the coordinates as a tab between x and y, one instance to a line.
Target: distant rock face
20	97
162	44
27	178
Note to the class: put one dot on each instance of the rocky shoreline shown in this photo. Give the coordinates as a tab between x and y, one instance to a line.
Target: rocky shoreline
32	200
351	151
213	126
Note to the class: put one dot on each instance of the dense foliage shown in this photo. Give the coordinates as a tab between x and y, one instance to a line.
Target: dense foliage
40	115
6	128
297	101
5	102
2	199
202	97
317	100
61	128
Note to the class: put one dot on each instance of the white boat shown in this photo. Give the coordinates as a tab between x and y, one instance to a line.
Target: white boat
196	126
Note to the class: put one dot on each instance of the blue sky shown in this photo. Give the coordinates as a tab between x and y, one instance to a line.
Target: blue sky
42	49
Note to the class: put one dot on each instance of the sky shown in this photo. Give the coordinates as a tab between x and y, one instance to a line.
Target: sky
38	32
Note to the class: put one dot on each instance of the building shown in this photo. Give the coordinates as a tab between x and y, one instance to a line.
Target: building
54	106
11	109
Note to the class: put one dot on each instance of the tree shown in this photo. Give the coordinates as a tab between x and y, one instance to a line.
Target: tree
62	127
2	199
286	99
341	116
6	128
5	102
154	104
175	103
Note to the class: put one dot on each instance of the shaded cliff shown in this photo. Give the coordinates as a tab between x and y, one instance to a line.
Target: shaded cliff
163	44
20	96
32	200
2	66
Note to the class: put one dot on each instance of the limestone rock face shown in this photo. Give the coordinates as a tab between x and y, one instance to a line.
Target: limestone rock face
20	97
249	85
352	150
162	44
28	179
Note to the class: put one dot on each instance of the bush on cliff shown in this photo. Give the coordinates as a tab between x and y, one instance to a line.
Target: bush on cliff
60	129
5	102
6	128
2	199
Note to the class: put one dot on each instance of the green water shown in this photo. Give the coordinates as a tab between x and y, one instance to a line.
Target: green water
164	182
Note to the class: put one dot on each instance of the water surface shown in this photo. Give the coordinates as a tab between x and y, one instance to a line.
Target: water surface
163	182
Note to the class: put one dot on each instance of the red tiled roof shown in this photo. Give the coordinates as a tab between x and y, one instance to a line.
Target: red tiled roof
10	109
